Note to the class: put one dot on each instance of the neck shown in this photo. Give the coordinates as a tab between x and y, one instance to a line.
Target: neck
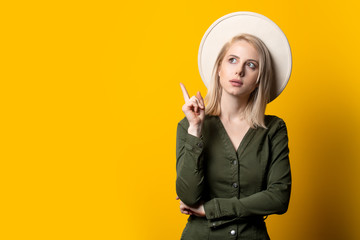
232	107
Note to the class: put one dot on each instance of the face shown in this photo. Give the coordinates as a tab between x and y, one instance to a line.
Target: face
239	69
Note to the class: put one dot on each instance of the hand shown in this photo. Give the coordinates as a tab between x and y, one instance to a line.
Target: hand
185	209
194	109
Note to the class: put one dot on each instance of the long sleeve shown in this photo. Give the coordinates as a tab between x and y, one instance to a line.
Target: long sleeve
273	200
189	159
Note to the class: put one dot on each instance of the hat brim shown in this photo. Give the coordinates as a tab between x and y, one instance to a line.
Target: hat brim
230	25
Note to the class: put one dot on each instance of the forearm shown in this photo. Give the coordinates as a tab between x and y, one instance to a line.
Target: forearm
272	201
190	176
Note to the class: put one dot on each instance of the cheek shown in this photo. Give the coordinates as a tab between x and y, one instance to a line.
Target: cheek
224	72
254	76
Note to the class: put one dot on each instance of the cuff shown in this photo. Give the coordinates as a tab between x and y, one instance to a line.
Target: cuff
215	217
194	144
211	209
212	213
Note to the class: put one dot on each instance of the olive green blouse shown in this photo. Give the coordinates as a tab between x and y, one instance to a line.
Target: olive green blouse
237	187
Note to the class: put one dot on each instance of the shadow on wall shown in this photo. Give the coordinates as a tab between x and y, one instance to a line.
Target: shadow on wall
330	176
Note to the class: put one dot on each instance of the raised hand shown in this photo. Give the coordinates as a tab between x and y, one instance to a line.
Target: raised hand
194	109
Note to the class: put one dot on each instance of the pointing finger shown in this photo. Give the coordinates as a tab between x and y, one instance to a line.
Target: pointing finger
185	93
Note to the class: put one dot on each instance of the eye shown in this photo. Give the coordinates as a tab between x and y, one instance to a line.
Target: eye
251	65
232	60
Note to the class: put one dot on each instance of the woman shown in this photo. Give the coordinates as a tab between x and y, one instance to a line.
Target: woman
232	160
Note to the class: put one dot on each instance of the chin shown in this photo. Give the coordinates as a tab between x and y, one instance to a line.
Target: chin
234	91
237	93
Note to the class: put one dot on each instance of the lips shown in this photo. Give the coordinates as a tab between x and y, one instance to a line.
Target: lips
236	82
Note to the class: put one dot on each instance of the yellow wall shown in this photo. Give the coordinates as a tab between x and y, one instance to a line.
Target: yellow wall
90	101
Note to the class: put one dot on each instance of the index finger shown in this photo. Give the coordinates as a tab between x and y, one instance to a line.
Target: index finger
185	93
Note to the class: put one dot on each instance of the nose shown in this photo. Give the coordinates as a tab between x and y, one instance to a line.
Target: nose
240	71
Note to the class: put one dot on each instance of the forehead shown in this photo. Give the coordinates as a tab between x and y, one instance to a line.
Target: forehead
243	49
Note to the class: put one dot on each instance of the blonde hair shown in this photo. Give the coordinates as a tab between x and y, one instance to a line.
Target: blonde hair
256	105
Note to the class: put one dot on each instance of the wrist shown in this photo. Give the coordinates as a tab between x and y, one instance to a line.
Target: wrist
195	131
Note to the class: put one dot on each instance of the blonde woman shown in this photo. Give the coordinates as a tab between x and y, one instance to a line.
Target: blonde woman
232	160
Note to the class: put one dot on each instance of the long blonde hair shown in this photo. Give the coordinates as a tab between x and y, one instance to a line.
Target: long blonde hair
256	105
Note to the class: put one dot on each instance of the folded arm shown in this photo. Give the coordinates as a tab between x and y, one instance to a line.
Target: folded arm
273	200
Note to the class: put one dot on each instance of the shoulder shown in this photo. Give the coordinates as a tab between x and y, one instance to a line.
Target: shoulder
275	126
272	121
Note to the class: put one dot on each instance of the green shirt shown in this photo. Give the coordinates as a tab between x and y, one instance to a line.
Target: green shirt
237	188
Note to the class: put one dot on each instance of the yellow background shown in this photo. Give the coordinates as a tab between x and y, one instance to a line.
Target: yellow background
90	101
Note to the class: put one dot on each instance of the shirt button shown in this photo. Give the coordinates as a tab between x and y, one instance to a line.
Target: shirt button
200	145
232	232
235	185
234	162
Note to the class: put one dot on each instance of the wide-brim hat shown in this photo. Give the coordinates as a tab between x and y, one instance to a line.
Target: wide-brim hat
230	25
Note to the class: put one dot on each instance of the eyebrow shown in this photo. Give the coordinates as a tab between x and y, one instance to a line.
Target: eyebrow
248	59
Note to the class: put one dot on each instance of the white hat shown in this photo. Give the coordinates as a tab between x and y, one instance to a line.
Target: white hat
230	25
